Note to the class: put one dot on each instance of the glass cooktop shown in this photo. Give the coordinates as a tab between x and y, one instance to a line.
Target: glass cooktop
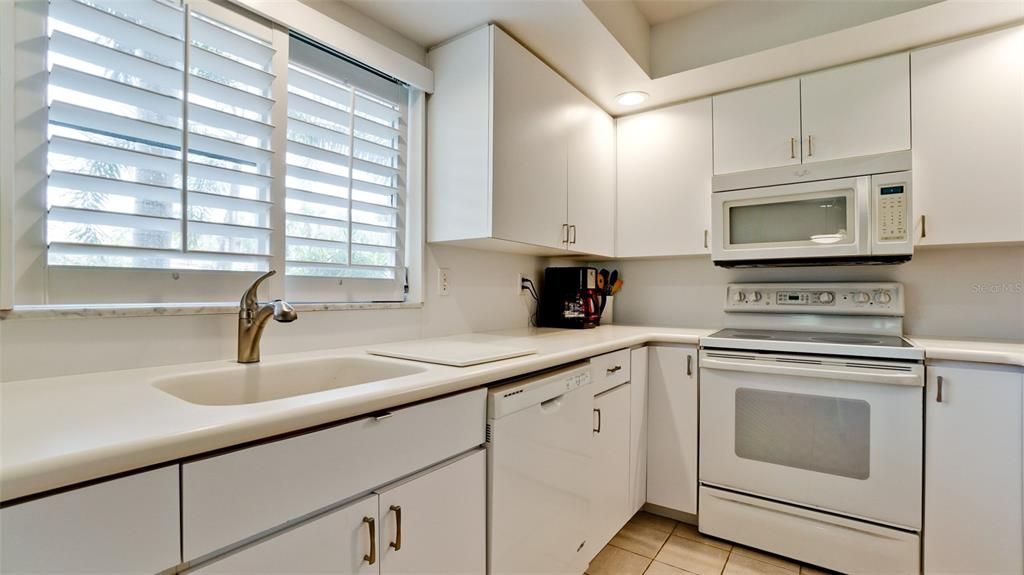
864	345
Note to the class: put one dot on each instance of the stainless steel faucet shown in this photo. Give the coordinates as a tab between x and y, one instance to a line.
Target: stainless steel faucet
252	318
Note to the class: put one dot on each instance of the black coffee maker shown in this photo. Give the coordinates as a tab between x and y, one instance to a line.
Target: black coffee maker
570	298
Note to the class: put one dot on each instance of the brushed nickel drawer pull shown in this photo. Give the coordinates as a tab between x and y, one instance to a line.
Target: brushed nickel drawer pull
810	150
938	389
612	370
689	365
371	557
572	230
397	543
705	239
565	234
792	149
924	229
598	412
383	416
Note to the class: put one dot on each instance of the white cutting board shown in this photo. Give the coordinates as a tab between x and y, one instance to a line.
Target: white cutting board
457	352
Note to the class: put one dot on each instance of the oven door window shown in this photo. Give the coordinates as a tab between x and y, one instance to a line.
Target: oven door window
799	220
816	433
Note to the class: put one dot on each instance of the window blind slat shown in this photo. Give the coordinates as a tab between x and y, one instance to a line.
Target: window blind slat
149	73
230	97
225	67
100	122
145	40
311	110
102	153
158	105
205	32
227	125
300	80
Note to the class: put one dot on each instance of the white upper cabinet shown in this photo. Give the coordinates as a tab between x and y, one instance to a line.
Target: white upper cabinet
968	103
758	127
856	110
517	158
591	184
664	181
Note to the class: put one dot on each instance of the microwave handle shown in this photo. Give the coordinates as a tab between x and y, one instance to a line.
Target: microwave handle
823	371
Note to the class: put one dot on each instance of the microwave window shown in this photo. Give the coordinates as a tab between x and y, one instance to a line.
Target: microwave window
817	220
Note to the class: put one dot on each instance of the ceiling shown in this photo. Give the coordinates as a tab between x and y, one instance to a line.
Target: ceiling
659	11
570	38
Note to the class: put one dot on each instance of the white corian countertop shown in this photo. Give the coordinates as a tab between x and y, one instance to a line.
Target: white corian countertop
60	431
1004	352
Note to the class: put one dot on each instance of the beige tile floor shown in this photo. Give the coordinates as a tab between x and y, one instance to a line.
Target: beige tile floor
654	545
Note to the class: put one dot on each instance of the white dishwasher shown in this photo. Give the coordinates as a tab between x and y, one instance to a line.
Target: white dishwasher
539	436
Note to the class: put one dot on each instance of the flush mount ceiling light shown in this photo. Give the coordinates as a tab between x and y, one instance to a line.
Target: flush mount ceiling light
631	98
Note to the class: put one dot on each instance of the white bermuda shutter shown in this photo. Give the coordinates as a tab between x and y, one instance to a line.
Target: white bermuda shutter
120	99
345	185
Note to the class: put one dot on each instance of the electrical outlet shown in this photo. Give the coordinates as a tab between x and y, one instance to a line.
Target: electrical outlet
443	281
520	288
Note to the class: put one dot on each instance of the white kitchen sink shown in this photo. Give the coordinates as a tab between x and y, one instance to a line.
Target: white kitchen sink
253	383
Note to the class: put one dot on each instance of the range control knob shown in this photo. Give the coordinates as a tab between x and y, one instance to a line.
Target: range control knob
883	297
861	297
755	296
826	297
739	297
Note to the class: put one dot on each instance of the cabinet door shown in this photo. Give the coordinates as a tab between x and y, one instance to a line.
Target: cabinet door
609	472
337	543
968	112
972	504
530	118
664	176
757	127
436	522
127	525
856	110
672	427
637	429
591	156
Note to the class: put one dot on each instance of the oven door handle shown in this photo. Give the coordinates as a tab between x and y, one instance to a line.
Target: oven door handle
914	378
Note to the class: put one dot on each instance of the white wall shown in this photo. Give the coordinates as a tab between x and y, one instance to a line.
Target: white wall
732	29
975	292
483	297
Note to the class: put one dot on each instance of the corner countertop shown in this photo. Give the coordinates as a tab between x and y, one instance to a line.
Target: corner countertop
973	350
56	432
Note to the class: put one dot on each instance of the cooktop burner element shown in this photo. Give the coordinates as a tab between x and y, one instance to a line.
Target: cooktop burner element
838	319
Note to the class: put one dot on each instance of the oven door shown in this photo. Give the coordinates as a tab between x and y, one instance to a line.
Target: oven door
823	219
839	434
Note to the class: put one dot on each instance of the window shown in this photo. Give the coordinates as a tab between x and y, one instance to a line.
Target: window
293	159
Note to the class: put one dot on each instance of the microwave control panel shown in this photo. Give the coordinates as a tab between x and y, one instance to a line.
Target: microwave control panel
892	213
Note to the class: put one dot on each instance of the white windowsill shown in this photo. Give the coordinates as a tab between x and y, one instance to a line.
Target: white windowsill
150	310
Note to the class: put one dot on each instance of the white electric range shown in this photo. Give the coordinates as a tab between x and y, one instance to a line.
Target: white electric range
811	426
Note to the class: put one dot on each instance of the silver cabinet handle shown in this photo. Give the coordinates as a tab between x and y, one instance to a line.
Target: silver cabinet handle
598	412
397	543
371	557
565	234
383	416
705	239
792	148
572	230
689	365
611	370
810	150
924	229
938	389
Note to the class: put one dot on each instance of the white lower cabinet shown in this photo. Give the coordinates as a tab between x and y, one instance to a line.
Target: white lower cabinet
431	523
342	541
973	483
609	473
436	522
125	526
672	411
637	429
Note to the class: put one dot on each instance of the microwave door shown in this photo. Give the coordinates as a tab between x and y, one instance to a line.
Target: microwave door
810	220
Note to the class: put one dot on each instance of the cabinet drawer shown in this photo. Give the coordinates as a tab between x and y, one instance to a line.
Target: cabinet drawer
234	496
609	370
127	525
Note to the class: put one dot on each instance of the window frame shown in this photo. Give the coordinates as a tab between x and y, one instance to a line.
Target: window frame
27	279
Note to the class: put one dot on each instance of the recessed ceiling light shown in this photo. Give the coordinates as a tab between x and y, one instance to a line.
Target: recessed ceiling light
631	98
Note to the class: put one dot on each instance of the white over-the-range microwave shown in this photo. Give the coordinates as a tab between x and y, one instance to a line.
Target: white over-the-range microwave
840	212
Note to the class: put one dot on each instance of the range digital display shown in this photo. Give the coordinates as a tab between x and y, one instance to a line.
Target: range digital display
889	190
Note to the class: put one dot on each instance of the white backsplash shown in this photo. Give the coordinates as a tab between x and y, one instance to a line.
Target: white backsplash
975	292
483	297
